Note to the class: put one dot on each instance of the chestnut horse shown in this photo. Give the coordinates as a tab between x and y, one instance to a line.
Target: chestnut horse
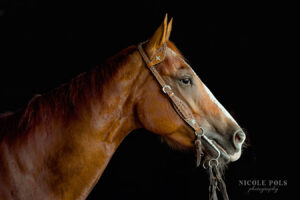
59	144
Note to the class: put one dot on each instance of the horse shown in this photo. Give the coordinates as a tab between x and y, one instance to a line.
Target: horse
58	145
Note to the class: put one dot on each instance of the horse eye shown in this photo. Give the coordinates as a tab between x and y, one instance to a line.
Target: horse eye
186	81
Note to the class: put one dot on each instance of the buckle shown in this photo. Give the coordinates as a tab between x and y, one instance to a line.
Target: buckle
164	88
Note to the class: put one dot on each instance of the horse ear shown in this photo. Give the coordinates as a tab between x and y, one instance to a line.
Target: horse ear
169	29
158	38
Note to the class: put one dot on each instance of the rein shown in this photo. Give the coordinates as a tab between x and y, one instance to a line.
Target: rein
216	181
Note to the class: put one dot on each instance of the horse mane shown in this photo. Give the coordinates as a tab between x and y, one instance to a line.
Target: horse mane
63	102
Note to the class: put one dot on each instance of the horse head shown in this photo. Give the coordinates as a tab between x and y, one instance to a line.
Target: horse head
159	115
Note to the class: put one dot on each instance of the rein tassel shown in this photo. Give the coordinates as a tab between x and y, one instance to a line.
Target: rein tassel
199	152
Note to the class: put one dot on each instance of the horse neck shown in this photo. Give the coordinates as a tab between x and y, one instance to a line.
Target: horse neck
76	153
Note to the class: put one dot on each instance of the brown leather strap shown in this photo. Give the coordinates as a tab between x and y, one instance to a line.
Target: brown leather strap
181	108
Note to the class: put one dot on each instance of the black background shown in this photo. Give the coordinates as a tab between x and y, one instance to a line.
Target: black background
238	50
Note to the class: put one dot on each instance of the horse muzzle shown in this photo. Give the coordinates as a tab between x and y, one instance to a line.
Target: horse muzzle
217	148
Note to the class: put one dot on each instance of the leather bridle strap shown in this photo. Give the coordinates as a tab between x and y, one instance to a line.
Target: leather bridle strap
181	107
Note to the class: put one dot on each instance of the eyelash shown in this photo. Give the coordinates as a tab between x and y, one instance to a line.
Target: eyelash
186	81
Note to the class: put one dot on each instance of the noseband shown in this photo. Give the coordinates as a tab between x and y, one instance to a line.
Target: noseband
185	113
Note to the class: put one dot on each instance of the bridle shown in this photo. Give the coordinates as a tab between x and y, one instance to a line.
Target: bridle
186	114
180	107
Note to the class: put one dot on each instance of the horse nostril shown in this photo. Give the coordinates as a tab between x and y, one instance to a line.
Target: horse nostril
238	138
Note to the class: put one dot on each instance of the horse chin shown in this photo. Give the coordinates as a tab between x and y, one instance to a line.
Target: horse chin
235	156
